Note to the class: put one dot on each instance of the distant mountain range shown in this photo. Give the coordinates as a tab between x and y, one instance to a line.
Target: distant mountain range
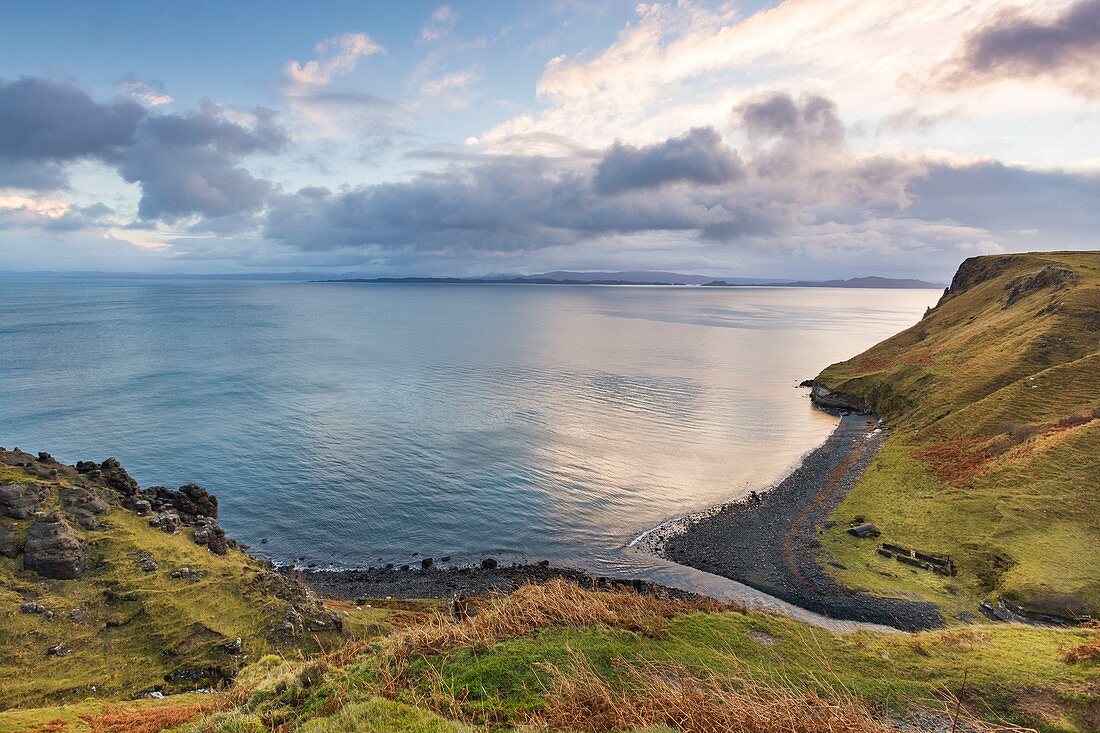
855	282
647	277
556	277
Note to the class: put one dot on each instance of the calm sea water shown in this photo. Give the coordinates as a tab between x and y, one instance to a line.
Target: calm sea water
358	424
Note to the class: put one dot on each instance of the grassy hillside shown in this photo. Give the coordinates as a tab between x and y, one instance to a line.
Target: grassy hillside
122	630
994	400
556	657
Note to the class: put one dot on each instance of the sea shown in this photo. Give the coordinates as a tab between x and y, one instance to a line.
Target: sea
350	425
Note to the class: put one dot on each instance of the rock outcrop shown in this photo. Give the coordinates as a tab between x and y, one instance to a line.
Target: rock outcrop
111	473
9	542
84	506
21	501
827	398
209	533
167	520
52	549
190	501
1049	277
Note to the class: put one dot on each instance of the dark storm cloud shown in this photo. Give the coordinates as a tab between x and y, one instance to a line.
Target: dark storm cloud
812	119
185	164
1015	45
45	124
698	156
188	164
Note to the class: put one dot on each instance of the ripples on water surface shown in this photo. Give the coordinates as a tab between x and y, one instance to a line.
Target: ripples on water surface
352	423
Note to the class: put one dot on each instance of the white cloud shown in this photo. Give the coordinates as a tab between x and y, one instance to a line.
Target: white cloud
449	82
439	24
684	65
336	56
146	94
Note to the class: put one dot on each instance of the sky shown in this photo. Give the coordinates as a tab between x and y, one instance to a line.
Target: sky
803	139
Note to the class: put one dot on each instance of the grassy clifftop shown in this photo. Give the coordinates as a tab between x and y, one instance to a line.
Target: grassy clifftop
102	606
994	398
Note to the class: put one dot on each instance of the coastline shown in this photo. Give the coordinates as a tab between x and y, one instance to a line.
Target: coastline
771	544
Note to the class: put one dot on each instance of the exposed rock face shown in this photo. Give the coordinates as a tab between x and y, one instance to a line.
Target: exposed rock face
9	545
83	506
168	521
190	501
825	397
52	549
111	473
1051	276
974	271
21	501
209	533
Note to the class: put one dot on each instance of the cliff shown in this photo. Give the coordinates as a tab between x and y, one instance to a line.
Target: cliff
994	401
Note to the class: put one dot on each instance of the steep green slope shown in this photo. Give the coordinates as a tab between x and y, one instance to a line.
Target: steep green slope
125	625
994	400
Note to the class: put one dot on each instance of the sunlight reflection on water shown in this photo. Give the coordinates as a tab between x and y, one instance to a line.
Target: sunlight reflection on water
352	423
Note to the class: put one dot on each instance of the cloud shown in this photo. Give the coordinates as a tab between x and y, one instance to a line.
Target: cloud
188	164
692	186
185	164
1060	205
1064	47
449	82
152	96
777	116
45	125
439	24
336	56
698	156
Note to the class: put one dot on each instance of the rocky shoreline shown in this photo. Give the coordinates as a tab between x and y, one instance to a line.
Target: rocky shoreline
771	542
444	583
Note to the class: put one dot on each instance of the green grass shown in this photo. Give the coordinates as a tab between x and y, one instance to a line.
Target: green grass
978	466
1002	665
157	625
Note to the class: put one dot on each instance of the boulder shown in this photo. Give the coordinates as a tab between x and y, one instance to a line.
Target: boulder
210	534
9	542
82	505
52	549
114	475
191	501
168	521
21	501
147	563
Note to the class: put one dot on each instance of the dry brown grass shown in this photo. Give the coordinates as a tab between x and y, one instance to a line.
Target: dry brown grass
1088	651
533	607
528	609
144	719
659	694
958	460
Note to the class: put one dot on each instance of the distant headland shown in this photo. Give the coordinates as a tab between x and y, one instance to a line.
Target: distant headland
642	277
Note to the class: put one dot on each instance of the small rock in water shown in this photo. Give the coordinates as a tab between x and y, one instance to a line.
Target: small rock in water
489	564
427	563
